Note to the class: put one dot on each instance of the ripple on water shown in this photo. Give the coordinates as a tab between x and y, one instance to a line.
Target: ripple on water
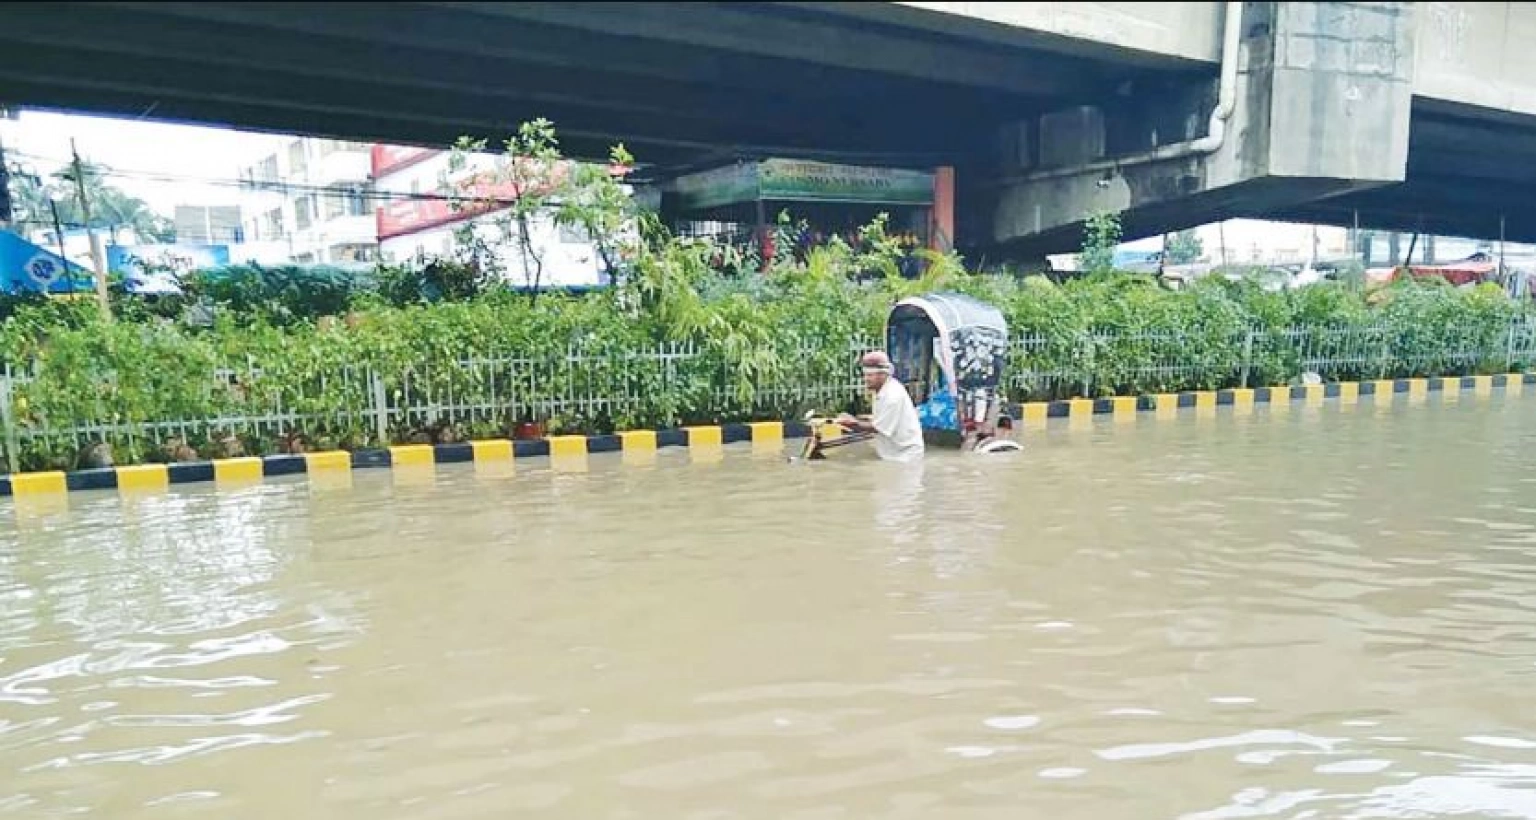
976	752
1261	737
1501	742
1361	766
1012	722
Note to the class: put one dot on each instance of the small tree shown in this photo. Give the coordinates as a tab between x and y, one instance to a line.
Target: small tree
597	202
1183	248
1101	235
524	185
532	181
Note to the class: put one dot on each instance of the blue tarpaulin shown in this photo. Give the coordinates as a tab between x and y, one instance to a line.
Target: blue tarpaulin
25	267
153	269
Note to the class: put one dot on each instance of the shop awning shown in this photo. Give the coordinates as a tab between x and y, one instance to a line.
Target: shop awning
793	180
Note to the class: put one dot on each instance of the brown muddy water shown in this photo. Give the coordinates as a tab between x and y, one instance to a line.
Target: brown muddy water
1311	614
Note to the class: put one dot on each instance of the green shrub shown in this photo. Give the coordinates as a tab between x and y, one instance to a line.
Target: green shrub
679	343
284	294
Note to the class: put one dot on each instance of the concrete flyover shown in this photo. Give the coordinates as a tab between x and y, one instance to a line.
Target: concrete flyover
1399	115
678	82
1409	116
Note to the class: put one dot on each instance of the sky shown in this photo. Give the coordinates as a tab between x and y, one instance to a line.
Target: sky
155	161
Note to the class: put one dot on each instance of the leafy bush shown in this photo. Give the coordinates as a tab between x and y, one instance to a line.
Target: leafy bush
680	343
282	295
1101	235
435	281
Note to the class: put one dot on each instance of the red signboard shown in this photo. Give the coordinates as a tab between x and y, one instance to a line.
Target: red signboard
387	158
412	215
478	196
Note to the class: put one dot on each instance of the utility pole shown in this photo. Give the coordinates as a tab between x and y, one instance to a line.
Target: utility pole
96	258
58	229
1501	249
7	214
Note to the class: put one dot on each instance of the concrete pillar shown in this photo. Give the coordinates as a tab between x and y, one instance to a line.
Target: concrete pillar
1323	100
941	229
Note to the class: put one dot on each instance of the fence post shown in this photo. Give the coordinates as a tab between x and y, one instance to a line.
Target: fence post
1509	345
1090	354
1247	358
380	402
8	422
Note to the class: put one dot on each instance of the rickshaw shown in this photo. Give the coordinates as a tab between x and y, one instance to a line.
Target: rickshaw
949	351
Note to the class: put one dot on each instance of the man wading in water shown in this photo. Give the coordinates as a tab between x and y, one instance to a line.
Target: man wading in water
898	436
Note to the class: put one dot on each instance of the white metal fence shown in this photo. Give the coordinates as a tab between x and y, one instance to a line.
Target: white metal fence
247	410
1104	364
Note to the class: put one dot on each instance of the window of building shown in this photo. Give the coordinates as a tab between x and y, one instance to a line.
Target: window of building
354	253
359	200
356	200
262	173
304	212
273	229
328	147
298	156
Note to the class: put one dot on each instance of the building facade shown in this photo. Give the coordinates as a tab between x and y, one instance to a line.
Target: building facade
416	221
316	197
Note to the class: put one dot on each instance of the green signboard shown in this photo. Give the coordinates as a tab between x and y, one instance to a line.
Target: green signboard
720	186
798	180
790	180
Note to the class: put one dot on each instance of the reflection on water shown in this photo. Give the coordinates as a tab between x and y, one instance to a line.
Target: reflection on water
1303	615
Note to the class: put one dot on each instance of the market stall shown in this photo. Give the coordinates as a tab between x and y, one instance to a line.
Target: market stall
745	204
1479	267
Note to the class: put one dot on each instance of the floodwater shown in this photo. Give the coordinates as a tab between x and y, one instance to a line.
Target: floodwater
1312	614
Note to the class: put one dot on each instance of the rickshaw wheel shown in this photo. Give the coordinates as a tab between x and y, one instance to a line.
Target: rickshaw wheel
999	445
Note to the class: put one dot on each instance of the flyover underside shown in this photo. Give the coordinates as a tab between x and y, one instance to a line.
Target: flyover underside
1470	173
737	78
1260	198
1444	206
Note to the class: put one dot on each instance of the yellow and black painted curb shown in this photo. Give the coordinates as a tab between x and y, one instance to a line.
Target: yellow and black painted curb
1342	392
234	471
